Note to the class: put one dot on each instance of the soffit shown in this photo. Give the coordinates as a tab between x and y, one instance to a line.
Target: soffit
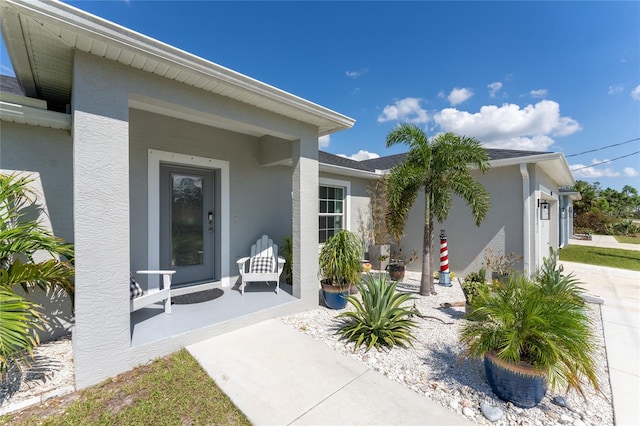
41	38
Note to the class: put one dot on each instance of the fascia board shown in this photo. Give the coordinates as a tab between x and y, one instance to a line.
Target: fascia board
24	114
346	171
76	20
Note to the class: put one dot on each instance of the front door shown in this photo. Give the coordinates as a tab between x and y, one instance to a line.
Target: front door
187	223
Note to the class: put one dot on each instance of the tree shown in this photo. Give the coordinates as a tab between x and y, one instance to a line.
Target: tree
22	242
440	167
589	193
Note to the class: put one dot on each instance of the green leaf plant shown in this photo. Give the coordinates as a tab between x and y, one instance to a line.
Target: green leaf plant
379	319
541	322
23	242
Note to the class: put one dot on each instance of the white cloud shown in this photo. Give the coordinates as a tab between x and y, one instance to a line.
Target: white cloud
361	155
635	93
324	141
539	93
459	95
494	88
356	74
407	109
615	89
630	172
593	172
509	126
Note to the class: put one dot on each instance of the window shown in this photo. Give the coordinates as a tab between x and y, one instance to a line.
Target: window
332	207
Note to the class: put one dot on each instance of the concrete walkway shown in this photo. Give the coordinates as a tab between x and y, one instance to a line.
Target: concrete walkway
620	290
279	376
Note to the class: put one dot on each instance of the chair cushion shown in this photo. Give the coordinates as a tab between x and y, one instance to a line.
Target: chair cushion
261	265
134	288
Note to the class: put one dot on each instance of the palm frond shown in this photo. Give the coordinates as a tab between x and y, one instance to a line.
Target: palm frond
19	318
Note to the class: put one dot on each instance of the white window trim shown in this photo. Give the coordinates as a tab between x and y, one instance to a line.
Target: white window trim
347	202
155	158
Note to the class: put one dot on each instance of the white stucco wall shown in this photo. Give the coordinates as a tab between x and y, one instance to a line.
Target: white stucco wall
107	99
501	230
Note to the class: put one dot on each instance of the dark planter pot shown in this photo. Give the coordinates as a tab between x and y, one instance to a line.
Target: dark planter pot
396	272
524	386
335	296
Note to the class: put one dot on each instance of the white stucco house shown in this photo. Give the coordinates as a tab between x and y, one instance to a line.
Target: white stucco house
109	116
112	125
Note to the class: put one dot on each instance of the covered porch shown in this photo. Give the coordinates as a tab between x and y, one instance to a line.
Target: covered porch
221	304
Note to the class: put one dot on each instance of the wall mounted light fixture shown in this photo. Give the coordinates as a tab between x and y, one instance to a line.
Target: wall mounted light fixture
545	211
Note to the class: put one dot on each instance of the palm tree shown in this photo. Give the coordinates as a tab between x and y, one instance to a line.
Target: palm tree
440	167
21	243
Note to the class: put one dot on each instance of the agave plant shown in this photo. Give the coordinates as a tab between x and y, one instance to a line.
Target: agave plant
21	239
540	324
379	319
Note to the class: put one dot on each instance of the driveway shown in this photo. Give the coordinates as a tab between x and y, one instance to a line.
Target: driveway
620	290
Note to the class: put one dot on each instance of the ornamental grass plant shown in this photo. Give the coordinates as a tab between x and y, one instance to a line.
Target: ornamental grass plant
541	322
379	319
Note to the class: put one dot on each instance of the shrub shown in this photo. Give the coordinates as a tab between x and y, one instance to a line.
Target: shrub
624	227
594	222
380	319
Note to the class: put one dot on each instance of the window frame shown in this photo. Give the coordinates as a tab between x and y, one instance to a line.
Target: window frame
346	210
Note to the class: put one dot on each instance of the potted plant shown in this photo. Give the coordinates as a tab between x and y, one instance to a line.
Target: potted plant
398	263
340	266
379	251
501	265
533	333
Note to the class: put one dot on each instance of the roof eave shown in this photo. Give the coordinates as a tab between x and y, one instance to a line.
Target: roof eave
347	171
78	22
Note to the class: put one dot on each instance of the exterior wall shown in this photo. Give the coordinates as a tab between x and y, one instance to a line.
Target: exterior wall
106	101
501	230
359	220
45	154
49	153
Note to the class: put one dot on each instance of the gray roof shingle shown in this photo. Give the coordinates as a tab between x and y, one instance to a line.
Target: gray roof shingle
11	85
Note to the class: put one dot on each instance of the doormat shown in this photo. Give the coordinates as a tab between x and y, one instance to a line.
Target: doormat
198	297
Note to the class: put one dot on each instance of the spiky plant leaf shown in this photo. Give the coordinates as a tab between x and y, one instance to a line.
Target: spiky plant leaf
380	319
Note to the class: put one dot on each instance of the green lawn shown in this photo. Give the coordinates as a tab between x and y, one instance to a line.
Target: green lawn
613	258
173	390
628	240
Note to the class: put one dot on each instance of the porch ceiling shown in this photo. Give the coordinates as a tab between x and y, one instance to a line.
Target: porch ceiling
41	38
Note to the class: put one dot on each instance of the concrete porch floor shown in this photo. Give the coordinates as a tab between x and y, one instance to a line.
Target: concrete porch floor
151	324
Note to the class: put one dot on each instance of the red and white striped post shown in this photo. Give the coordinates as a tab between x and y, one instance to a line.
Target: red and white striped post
444	277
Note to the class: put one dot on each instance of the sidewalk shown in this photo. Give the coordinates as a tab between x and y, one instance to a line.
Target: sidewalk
620	289
604	241
278	376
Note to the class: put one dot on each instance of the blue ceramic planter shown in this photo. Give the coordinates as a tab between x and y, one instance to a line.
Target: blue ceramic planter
521	385
335	296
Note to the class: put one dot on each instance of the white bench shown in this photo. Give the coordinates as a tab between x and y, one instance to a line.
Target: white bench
155	295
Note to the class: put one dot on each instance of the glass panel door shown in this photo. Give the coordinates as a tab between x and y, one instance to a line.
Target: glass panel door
187	219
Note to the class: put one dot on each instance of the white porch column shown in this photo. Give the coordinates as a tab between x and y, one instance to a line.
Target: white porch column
305	219
101	218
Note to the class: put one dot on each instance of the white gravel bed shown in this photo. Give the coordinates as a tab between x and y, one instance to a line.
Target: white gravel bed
433	367
51	374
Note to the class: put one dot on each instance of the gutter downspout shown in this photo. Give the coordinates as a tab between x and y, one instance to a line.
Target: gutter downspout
526	219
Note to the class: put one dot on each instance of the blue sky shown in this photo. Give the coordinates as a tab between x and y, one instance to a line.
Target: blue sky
548	76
